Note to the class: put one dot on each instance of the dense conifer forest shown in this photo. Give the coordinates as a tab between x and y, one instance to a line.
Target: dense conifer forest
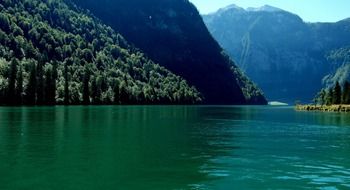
51	52
336	95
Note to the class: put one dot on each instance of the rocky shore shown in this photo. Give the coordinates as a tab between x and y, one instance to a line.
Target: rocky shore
323	108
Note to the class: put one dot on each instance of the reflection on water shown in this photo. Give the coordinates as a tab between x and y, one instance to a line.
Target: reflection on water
176	147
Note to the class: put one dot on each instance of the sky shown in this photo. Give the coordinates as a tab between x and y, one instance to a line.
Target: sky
308	10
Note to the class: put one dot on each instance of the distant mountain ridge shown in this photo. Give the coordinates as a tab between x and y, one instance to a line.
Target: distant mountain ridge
265	8
283	54
172	33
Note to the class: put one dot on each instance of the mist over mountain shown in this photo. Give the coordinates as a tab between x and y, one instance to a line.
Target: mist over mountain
283	54
172	33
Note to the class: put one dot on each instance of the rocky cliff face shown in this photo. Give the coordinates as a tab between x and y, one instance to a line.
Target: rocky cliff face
277	49
172	33
340	61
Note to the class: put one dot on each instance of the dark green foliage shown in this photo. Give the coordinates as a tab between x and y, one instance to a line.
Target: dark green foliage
32	85
40	83
329	97
66	83
321	97
12	82
52	97
96	90
53	53
19	90
337	93
86	88
123	93
346	93
50	84
3	78
337	80
5	22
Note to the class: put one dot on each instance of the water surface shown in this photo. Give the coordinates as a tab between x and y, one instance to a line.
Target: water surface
173	147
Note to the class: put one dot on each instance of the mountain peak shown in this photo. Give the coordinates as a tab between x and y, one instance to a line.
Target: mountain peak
235	8
265	8
231	7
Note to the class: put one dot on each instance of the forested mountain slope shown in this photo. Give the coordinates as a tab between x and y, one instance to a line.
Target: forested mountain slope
172	33
53	53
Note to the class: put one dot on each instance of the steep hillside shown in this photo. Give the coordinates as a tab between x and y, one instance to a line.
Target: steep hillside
172	33
277	49
52	53
340	59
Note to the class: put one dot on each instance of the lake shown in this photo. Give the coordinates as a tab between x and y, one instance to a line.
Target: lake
173	147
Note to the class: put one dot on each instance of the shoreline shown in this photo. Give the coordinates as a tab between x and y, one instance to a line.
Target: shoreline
323	108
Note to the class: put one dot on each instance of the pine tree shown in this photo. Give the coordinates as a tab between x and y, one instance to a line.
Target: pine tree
346	93
321	98
337	94
30	98
329	97
96	89
20	85
123	94
86	90
116	93
40	83
48	86
12	82
66	84
54	83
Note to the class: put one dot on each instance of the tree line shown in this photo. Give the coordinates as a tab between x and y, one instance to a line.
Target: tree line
334	96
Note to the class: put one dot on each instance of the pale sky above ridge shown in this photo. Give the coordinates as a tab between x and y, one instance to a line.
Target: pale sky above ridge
308	10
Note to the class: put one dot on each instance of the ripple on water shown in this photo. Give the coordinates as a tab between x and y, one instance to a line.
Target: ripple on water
286	158
311	167
327	175
328	188
198	187
215	172
328	180
287	178
334	166
346	185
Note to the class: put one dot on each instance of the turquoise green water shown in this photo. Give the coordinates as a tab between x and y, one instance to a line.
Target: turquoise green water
173	148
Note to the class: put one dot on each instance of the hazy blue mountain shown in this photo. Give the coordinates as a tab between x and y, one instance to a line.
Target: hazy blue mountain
172	33
283	54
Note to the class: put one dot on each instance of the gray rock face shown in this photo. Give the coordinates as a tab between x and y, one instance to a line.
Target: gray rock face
340	60
283	54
